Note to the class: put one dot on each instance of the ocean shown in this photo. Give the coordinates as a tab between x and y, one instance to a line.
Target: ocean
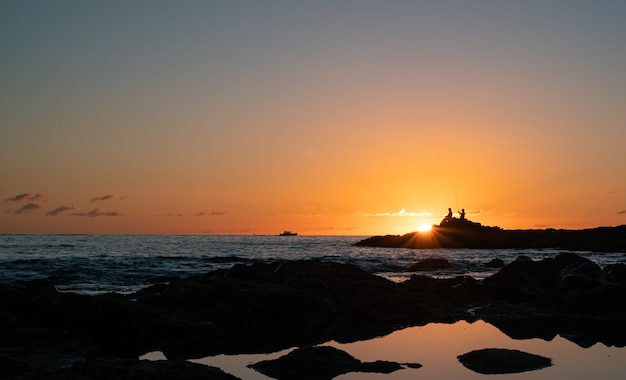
96	264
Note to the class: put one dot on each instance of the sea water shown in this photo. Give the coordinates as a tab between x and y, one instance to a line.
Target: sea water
94	264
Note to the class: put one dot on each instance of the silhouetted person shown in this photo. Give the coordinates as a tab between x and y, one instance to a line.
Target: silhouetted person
462	214
448	217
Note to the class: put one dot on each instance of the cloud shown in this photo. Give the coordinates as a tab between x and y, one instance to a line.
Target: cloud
168	215
610	193
623	212
96	212
402	212
212	213
59	210
25	197
18	198
108	197
309	215
27	208
335	229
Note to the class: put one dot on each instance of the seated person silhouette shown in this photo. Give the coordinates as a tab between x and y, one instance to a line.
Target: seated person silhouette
447	218
462	214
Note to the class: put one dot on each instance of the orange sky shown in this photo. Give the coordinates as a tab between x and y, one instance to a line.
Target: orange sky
350	118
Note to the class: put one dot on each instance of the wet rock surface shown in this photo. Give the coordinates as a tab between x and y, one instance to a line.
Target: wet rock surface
258	307
320	363
492	361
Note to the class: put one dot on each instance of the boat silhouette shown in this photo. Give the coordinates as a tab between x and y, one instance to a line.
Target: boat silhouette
288	233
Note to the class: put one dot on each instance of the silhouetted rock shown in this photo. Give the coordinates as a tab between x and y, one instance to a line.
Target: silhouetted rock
466	234
583	331
179	370
446	299
494	361
15	296
579	273
523	279
320	363
110	319
616	273
430	264
275	306
495	263
115	368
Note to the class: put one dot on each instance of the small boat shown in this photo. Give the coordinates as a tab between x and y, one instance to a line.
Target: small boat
288	233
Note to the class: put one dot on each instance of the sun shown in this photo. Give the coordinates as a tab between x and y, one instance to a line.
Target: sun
424	227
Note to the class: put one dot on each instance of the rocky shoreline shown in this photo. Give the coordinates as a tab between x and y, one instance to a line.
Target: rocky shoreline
467	234
268	307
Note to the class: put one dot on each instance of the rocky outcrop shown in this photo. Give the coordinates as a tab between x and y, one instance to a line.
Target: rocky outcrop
495	263
466	234
430	264
322	362
275	306
567	282
106	368
263	307
492	361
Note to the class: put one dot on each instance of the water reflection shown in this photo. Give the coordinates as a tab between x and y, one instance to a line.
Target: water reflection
436	346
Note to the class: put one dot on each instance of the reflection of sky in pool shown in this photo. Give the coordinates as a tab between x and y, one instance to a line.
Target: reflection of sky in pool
436	347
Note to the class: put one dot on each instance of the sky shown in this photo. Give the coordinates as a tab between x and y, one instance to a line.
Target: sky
322	117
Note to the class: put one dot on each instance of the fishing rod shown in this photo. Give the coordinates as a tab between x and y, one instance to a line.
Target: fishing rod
455	197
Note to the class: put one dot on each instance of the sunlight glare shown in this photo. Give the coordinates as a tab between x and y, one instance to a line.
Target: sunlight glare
424	228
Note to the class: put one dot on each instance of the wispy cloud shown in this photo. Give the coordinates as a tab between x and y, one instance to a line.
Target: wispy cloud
310	215
402	212
623	212
311	211
96	212
212	213
60	210
335	229
108	197
27	208
610	193
34	202
26	197
168	215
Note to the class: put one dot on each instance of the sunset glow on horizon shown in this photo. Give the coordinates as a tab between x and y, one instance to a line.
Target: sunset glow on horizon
323	118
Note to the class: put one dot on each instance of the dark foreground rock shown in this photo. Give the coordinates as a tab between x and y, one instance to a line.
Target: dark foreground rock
492	361
321	363
466	234
258	307
430	264
114	368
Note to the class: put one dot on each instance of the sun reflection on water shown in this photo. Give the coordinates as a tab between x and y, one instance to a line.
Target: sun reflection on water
436	347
